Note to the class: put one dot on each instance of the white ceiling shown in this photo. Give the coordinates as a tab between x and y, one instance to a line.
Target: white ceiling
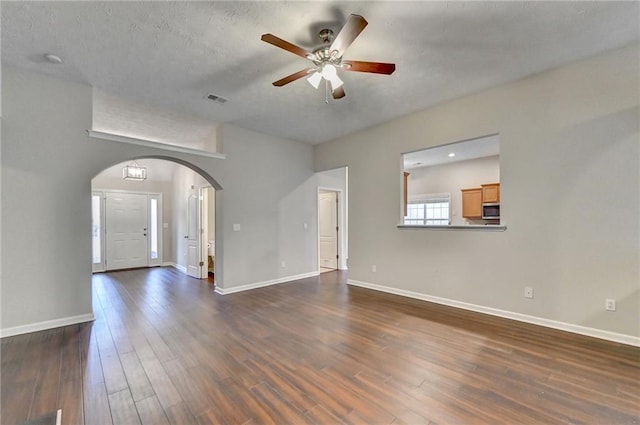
172	54
462	151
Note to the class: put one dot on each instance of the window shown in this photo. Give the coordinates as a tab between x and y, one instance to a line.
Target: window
153	229
430	210
96	240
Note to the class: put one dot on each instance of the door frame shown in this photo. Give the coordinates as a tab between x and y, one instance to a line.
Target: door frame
202	213
342	226
102	267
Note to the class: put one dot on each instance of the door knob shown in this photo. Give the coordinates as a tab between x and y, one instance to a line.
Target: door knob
186	236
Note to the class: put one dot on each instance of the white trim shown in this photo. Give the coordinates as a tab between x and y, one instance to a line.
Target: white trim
48	324
481	227
256	285
183	269
152	144
563	326
59	417
168	264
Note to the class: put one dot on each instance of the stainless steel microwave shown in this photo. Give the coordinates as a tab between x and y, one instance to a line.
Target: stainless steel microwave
491	211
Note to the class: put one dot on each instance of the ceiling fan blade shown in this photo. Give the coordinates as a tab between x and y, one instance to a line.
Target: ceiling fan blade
278	42
351	29
295	76
339	93
375	67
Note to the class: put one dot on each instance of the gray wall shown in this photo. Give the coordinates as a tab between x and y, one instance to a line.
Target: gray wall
48	162
570	198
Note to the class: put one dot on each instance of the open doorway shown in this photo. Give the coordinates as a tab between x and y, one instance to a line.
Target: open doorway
328	230
333	219
200	238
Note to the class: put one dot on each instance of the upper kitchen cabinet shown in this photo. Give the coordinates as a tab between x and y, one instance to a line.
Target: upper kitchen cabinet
472	203
491	193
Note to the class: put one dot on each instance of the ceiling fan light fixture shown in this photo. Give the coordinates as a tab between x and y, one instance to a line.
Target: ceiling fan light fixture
329	71
336	82
315	79
330	74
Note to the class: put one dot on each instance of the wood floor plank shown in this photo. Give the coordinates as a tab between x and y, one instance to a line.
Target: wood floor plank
123	408
179	414
166	349
45	395
96	404
70	400
137	380
151	412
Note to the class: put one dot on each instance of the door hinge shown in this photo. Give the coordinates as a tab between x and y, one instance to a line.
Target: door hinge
337	228
201	263
337	256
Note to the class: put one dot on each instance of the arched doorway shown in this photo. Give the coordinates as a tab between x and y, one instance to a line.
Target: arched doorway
163	216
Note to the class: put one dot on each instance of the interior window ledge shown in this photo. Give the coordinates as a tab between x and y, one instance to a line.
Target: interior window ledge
475	227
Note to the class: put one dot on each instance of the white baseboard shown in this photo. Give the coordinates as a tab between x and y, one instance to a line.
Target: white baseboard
256	285
48	324
168	264
183	269
563	326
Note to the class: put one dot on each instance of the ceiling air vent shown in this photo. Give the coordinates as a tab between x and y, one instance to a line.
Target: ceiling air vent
216	98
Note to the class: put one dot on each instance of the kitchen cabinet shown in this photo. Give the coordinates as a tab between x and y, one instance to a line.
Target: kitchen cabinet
472	203
491	193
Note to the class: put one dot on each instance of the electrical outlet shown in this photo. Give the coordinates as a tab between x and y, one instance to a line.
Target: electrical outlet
610	304
374	268
528	292
283	264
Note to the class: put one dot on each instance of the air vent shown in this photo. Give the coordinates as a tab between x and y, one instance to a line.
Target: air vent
216	98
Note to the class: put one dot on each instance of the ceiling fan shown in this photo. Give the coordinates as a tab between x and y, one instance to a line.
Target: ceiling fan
327	59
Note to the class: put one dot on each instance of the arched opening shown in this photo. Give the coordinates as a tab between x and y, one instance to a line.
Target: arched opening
162	213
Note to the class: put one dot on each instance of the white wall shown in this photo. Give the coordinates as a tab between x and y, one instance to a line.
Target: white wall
570	185
451	178
46	263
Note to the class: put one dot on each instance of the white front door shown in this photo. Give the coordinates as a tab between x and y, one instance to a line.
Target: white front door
328	217
126	228
193	235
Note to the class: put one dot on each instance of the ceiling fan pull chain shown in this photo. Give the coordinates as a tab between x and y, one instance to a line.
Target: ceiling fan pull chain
326	91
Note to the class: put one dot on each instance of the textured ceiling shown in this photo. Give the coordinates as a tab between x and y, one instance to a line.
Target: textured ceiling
172	54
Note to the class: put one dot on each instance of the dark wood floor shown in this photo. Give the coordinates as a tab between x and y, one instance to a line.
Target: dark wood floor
166	349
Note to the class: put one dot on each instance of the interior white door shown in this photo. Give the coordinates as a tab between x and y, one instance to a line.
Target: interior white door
328	217
193	235
126	230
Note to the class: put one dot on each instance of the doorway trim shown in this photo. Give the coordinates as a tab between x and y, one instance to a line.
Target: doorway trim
342	226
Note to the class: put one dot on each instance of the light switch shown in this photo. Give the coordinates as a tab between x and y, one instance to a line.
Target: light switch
165	225
236	227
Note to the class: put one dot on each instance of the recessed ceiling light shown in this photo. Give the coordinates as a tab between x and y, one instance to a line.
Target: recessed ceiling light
53	59
451	155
